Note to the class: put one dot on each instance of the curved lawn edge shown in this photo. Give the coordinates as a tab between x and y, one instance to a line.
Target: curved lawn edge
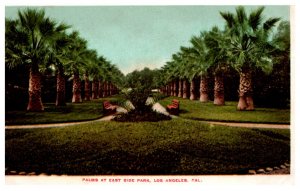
54	122
234	121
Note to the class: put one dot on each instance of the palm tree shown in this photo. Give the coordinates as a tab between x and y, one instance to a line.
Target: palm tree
218	58
190	70
199	57
90	58
77	63
249	48
28	40
58	61
172	74
105	65
116	77
181	73
95	75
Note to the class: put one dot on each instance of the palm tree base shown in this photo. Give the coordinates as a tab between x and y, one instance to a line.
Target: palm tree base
245	103
60	99
94	96
249	101
219	101
219	98
76	98
204	97
35	101
192	97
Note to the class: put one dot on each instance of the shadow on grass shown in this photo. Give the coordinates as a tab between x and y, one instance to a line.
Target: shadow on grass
72	112
272	134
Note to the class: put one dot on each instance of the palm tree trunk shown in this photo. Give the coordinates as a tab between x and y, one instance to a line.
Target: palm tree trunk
168	90
95	89
100	89
245	91
108	88
104	89
192	90
203	89
185	89
172	88
60	87
87	96
34	90
111	89
76	88
180	88
219	90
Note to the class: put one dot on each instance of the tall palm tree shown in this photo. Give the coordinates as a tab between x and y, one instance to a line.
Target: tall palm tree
58	55
116	78
30	37
249	48
95	75
172	74
176	74
218	57
90	58
191	69
199	57
77	63
105	77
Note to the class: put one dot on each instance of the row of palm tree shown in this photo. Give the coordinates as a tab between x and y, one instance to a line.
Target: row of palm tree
41	44
245	44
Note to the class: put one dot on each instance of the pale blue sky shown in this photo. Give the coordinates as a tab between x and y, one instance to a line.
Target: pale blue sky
133	37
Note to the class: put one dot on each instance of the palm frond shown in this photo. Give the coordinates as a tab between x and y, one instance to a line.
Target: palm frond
229	18
241	14
255	18
270	23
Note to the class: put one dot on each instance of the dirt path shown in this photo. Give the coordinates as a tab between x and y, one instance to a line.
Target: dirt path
249	125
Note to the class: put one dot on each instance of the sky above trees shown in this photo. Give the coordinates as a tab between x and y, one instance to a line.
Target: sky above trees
134	37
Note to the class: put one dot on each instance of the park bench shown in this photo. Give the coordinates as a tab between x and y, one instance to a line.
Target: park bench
173	108
109	108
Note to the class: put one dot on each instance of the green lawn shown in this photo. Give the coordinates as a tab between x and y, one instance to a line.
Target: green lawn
179	146
208	111
188	109
86	110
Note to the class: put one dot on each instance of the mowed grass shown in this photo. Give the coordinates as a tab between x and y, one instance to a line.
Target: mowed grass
209	111
87	110
179	146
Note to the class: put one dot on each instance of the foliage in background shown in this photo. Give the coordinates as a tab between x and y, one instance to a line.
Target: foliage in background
138	88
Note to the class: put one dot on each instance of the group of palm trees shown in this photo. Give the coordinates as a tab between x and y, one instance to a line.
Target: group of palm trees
244	45
42	44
